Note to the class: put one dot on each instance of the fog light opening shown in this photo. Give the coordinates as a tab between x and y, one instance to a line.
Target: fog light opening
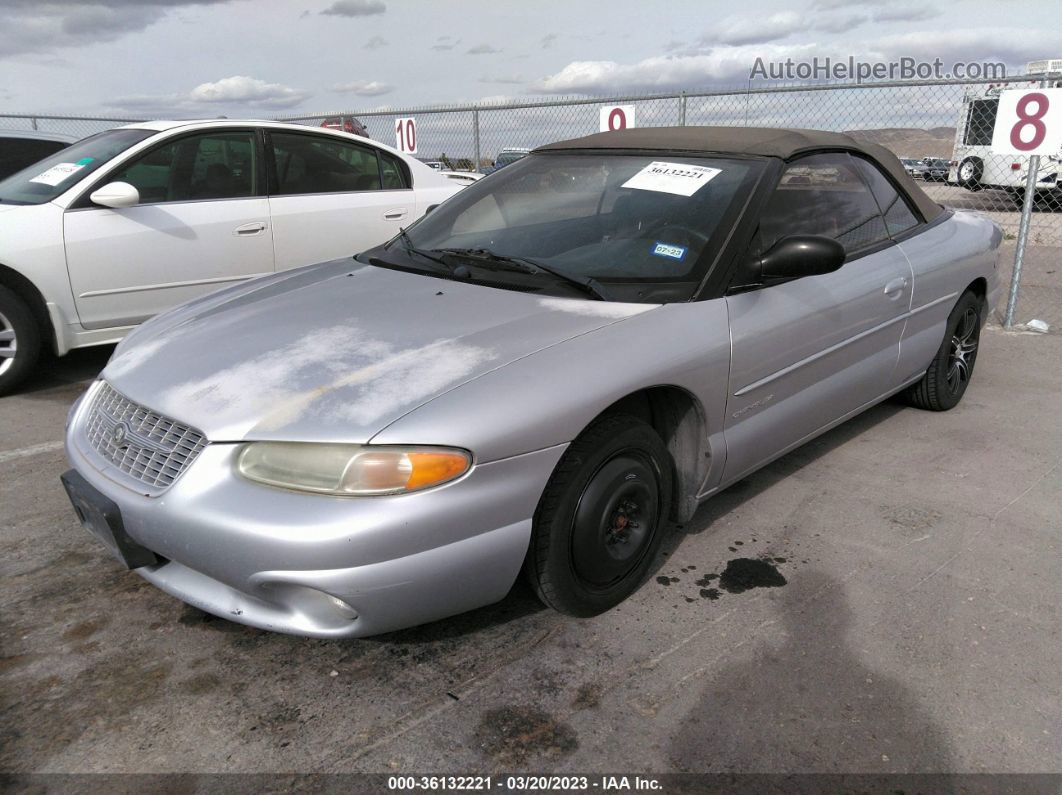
344	609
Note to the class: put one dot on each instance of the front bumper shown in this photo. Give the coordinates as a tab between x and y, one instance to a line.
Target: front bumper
280	560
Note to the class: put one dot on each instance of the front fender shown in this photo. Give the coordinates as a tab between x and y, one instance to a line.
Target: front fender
549	397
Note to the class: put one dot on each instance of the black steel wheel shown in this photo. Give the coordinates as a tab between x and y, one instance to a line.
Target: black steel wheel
601	518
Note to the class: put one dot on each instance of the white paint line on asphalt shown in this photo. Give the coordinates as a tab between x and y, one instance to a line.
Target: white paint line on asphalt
22	452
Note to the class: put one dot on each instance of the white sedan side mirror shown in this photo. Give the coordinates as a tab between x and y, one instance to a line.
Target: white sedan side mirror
116	194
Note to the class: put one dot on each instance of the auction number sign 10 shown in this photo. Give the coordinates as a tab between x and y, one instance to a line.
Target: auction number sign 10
1029	122
406	135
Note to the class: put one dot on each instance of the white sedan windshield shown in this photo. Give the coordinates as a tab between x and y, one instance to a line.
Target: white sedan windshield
46	179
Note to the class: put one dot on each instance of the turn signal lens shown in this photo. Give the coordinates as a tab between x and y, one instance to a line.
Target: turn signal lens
350	469
431	468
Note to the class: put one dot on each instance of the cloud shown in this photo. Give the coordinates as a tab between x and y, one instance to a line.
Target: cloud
364	88
34	28
905	13
729	65
1014	46
375	43
482	49
883	10
738	31
238	93
240	89
841	23
547	40
512	80
666	73
355	8
445	43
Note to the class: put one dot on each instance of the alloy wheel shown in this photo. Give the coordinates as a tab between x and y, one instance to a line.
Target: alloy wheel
963	350
8	344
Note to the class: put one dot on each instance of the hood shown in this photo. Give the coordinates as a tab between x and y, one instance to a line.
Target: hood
335	352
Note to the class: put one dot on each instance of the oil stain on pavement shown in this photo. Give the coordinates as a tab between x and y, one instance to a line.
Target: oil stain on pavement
511	735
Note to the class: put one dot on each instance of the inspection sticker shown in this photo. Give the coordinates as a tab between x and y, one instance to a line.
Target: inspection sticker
668	250
57	173
681	179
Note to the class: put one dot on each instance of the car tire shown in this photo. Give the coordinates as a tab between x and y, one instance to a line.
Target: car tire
20	340
601	517
969	173
947	378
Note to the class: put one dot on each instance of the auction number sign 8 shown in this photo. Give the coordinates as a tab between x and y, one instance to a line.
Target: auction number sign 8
406	135
1029	122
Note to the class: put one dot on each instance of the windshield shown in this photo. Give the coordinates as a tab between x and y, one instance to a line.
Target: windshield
644	228
48	178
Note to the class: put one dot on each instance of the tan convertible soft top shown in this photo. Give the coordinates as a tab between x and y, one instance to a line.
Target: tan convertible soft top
764	141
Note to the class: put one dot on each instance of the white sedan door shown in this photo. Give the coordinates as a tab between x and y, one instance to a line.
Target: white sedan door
334	198
202	222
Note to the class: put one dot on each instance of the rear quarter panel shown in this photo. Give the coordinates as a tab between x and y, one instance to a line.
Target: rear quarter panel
946	259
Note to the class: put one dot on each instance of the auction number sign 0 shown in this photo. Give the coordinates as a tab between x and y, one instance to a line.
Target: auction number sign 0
406	135
1029	122
616	117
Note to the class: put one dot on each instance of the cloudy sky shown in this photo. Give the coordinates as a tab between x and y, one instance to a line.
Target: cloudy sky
267	57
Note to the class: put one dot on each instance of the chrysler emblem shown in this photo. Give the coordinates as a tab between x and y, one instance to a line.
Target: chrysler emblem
121	430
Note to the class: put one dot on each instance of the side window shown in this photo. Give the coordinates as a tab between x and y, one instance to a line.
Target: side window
823	195
220	165
981	122
314	164
394	176
897	213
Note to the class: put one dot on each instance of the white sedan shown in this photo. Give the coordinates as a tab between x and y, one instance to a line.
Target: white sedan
133	221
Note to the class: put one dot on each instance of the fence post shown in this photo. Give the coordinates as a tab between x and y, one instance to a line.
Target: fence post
682	109
33	122
1028	200
475	140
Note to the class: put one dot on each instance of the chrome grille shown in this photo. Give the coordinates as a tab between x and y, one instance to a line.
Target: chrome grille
147	446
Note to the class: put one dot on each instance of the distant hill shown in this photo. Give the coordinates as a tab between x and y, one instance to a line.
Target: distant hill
911	141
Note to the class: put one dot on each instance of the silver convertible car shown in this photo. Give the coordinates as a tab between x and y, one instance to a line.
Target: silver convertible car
538	376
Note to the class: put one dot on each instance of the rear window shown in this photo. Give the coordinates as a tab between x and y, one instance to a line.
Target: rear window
48	178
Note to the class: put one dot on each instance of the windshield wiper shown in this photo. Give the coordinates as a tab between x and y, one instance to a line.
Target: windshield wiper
407	244
586	284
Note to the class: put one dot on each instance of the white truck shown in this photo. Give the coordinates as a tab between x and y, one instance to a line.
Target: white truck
975	167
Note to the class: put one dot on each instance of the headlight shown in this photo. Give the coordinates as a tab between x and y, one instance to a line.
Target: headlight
350	469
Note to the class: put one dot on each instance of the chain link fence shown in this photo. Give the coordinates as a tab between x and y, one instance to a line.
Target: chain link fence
942	129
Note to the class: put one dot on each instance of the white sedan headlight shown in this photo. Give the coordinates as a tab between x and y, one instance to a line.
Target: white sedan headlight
350	470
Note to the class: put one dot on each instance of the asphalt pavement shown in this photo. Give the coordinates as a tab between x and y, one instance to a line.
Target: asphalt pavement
884	599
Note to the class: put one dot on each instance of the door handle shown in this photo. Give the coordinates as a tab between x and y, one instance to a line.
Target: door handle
253	228
895	288
395	214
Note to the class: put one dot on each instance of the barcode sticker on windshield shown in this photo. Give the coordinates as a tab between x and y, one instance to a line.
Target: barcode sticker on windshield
57	173
681	179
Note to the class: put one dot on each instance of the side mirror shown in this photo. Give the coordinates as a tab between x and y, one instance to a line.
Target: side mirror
116	194
797	256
